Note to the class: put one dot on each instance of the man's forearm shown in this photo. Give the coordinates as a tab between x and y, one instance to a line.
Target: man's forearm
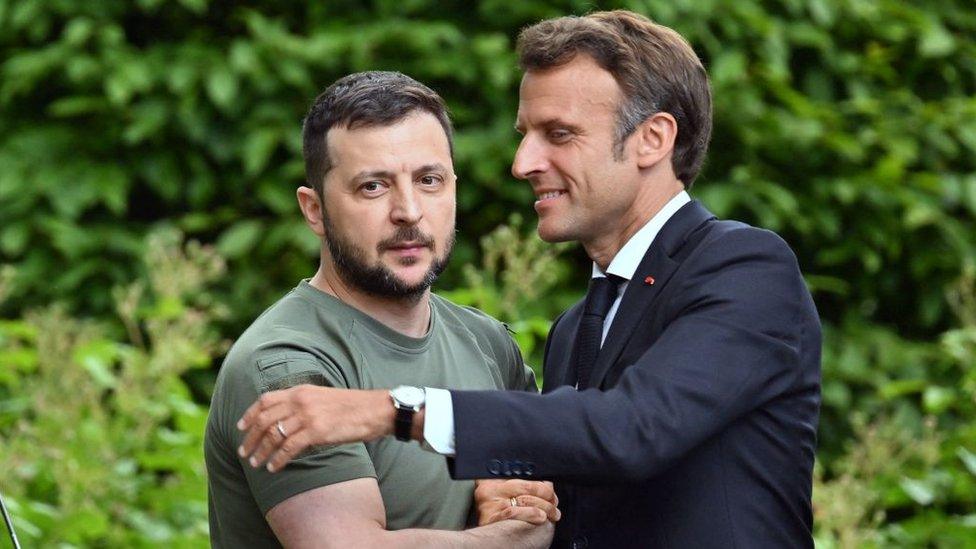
351	514
510	533
503	535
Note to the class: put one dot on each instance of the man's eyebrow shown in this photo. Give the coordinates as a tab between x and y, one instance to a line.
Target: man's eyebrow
373	174
549	124
428	168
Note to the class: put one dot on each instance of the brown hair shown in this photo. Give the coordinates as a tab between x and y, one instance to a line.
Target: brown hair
655	67
363	99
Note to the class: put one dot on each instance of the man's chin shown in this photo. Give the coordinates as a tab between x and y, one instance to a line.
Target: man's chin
553	234
409	271
413	284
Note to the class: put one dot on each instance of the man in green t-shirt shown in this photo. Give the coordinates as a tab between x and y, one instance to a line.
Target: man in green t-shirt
381	196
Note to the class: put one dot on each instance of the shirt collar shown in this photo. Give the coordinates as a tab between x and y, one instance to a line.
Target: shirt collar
625	263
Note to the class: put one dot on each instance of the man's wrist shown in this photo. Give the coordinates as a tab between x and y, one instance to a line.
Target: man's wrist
509	534
417	429
405	399
385	418
385	421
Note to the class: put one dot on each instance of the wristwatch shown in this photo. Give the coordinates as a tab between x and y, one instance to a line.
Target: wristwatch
408	401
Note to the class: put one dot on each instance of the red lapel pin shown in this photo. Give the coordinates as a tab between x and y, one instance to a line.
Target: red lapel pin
649	281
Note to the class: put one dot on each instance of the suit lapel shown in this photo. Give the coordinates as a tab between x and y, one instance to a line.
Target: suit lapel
640	295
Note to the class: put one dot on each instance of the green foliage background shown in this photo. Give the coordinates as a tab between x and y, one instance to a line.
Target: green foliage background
847	126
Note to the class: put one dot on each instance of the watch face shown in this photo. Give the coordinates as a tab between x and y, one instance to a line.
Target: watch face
409	396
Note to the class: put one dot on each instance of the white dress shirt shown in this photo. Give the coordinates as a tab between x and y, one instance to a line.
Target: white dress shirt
439	417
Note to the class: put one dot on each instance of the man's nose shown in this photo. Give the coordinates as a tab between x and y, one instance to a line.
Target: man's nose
407	208
529	158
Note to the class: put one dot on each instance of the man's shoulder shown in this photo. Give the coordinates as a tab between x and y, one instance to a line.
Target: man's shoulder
289	344
740	262
726	237
282	320
471	318
294	332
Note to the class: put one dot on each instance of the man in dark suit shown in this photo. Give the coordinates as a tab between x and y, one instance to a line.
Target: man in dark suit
681	397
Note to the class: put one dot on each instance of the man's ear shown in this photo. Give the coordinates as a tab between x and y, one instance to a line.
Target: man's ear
655	139
308	201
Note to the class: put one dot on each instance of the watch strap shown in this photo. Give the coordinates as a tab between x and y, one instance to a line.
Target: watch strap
403	423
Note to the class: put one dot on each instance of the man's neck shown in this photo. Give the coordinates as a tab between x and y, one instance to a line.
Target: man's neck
410	317
604	247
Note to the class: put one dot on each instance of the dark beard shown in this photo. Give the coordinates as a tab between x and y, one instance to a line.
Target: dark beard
377	279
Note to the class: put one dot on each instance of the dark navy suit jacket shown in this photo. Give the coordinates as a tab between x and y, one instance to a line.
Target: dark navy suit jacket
699	428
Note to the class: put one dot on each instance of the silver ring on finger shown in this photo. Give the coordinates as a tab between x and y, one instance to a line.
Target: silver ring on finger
281	429
513	501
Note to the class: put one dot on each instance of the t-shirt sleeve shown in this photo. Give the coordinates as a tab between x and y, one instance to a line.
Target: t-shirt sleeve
521	377
317	466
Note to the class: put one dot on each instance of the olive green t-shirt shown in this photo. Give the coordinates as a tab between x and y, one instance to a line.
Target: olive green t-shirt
309	336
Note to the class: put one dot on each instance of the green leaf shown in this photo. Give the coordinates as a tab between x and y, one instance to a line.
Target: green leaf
257	149
902	387
83	525
936	41
97	358
147	119
222	87
278	197
78	31
240	238
13	238
728	67
968	459
196	6
921	492
938	399
78	105
168	308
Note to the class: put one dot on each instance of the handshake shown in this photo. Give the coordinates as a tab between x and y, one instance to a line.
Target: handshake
534	502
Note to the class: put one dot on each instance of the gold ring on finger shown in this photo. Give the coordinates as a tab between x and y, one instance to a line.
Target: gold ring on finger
281	429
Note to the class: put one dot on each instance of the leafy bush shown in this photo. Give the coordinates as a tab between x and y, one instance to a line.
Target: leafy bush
907	476
849	127
100	438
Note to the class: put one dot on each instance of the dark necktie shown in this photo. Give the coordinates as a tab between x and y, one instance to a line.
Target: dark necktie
599	298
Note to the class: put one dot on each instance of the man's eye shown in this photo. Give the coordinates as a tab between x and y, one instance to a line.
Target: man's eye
430	180
371	186
559	135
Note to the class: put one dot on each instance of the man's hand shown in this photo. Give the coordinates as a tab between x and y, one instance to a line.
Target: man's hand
529	501
283	423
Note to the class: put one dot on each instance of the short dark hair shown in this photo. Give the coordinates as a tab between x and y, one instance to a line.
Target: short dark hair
363	99
655	67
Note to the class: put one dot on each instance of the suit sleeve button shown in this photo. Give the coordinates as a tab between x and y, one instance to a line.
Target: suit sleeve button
517	468
494	467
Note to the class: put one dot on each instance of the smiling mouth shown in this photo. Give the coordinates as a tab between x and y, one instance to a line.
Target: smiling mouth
549	195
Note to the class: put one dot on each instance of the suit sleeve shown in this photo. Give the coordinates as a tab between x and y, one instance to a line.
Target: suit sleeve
731	344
